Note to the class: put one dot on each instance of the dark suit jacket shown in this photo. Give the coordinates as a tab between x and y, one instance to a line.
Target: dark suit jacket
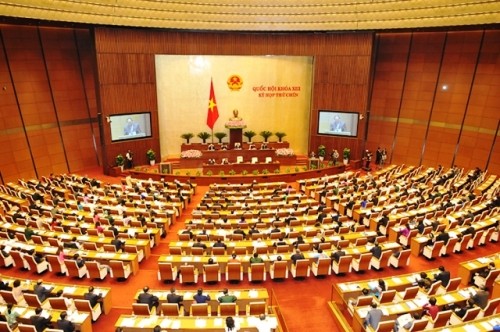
444	277
41	292
117	243
376	251
295	257
40	323
92	298
150	299
445	237
174	298
65	325
481	298
336	255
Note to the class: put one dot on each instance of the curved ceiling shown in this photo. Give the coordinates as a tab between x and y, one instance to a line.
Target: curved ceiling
261	15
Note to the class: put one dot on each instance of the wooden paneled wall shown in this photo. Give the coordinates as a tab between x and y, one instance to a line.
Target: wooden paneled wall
47	101
126	73
435	98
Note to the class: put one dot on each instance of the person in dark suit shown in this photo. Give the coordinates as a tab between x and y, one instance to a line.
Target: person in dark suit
113	229
443	276
4	285
376	250
188	231
40	291
199	297
220	244
382	222
443	236
339	253
199	244
172	297
64	324
119	244
296	256
238	230
73	244
421	226
460	312
149	299
92	297
481	297
40	322
80	262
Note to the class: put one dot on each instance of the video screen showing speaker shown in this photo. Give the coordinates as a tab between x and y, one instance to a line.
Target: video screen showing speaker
130	126
338	123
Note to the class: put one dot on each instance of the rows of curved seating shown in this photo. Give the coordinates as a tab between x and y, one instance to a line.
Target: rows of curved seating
403	296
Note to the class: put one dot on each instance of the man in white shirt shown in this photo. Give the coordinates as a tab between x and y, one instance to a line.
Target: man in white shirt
265	325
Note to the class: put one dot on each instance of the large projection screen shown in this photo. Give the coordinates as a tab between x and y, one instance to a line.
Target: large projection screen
275	95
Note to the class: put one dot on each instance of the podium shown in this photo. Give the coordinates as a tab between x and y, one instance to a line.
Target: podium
235	136
314	163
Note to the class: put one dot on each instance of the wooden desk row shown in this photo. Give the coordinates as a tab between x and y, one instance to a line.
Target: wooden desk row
199	261
308	219
393	310
187	324
484	324
231	203
244	297
13	199
490	181
266	242
69	290
103	257
82	320
467	269
143	245
350	290
418	243
246	186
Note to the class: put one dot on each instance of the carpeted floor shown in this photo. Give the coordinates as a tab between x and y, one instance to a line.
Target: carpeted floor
303	303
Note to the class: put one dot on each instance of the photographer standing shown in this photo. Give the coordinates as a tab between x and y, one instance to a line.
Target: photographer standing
129	161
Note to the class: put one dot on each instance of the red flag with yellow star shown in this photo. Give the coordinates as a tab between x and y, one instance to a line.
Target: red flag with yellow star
213	112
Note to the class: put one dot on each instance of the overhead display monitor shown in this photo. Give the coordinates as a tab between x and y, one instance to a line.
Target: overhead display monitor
338	123
130	126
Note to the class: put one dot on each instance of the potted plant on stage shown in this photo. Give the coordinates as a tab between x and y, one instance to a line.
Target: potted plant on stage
151	155
249	134
187	137
220	135
347	155
204	136
120	161
266	134
321	152
280	135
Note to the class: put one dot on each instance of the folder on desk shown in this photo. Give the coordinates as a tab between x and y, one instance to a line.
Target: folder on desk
449	298
397	280
128	322
165	322
200	322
